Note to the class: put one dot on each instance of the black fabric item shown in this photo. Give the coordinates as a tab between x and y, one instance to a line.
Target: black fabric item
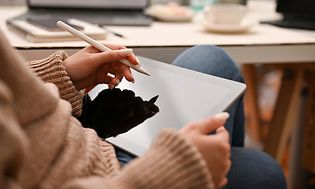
115	111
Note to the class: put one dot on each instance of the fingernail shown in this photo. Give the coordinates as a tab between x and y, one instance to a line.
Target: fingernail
222	115
137	60
117	82
125	52
133	78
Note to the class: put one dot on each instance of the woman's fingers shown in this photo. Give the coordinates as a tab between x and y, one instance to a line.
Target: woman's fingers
223	183
222	133
133	59
110	56
90	82
218	157
211	124
113	61
91	49
116	70
114	46
116	80
126	72
114	76
110	80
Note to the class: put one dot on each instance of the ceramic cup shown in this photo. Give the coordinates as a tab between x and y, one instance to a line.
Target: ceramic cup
225	14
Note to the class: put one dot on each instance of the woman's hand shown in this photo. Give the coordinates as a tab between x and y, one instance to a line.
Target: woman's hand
215	148
89	67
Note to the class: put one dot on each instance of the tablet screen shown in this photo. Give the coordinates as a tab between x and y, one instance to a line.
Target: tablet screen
184	96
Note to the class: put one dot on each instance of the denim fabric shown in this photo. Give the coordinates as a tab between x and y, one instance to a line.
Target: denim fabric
251	169
214	61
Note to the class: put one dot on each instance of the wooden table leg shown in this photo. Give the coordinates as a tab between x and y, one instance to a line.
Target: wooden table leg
251	102
285	112
308	153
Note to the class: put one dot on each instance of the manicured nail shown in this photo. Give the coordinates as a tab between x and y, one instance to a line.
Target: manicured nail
117	81
133	78
125	52
137	60
222	115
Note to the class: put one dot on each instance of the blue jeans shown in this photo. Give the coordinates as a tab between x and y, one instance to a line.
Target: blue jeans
250	168
214	61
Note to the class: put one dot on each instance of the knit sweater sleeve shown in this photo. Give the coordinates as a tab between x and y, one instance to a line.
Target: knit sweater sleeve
171	162
52	70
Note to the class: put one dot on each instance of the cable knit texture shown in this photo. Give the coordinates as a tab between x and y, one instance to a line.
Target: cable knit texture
51	69
43	146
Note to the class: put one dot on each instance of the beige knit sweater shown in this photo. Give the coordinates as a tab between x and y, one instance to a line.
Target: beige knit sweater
43	146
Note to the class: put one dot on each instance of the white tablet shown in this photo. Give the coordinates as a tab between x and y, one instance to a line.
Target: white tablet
184	96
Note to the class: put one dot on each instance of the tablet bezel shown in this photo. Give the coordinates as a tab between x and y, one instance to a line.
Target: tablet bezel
236	90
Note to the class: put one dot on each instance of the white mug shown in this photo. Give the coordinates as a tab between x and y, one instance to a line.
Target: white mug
225	14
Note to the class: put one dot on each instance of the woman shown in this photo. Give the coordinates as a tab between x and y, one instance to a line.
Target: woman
44	146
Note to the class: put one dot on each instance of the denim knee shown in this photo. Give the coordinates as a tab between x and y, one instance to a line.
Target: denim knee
254	169
211	60
215	61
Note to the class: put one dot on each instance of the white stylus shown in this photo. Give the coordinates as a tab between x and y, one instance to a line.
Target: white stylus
98	45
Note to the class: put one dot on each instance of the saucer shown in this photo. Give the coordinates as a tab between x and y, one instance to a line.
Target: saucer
243	27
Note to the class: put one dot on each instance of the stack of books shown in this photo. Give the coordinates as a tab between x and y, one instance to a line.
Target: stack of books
38	33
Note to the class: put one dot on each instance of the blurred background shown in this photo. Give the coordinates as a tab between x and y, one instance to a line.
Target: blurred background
185	2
